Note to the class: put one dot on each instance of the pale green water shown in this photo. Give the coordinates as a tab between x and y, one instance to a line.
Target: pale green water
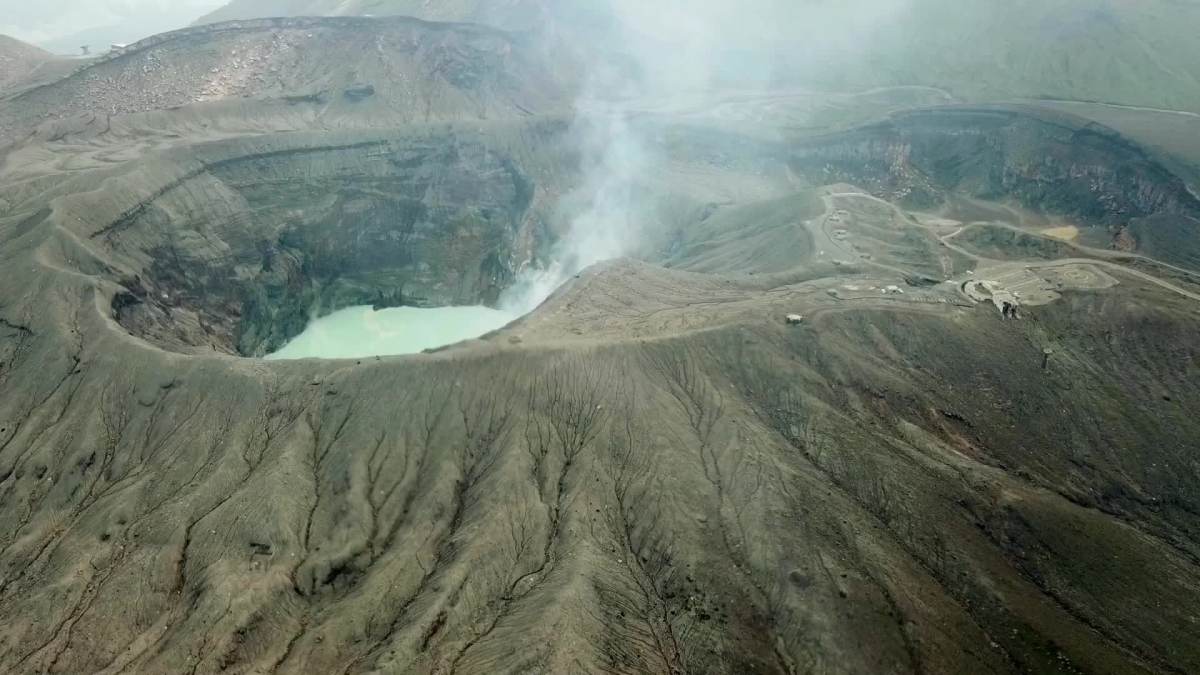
356	332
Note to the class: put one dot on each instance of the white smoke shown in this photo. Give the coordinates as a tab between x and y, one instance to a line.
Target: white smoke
668	50
613	159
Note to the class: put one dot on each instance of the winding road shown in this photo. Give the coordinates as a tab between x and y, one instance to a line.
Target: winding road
993	265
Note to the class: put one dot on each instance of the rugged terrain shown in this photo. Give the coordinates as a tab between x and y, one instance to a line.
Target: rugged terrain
1114	51
18	61
508	14
395	71
975	452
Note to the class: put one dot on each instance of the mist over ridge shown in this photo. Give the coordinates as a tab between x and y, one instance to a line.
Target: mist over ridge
477	337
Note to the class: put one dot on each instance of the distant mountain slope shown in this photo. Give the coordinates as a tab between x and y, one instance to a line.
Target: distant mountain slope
508	14
18	60
1135	53
397	69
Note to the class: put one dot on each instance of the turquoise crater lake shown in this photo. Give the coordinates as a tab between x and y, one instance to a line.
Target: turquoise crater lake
356	332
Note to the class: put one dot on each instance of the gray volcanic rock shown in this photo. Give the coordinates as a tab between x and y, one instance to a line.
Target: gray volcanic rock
308	223
1042	160
420	72
507	14
651	472
18	60
1131	53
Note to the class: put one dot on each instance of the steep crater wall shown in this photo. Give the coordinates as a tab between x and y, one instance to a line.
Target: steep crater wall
1048	162
239	254
240	250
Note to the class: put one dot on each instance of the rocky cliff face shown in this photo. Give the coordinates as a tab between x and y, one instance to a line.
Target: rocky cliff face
241	251
1058	164
244	242
232	247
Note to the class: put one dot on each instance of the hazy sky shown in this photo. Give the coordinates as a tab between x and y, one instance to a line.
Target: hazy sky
45	21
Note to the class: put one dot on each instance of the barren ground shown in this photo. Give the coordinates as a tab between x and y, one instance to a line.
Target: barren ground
652	472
